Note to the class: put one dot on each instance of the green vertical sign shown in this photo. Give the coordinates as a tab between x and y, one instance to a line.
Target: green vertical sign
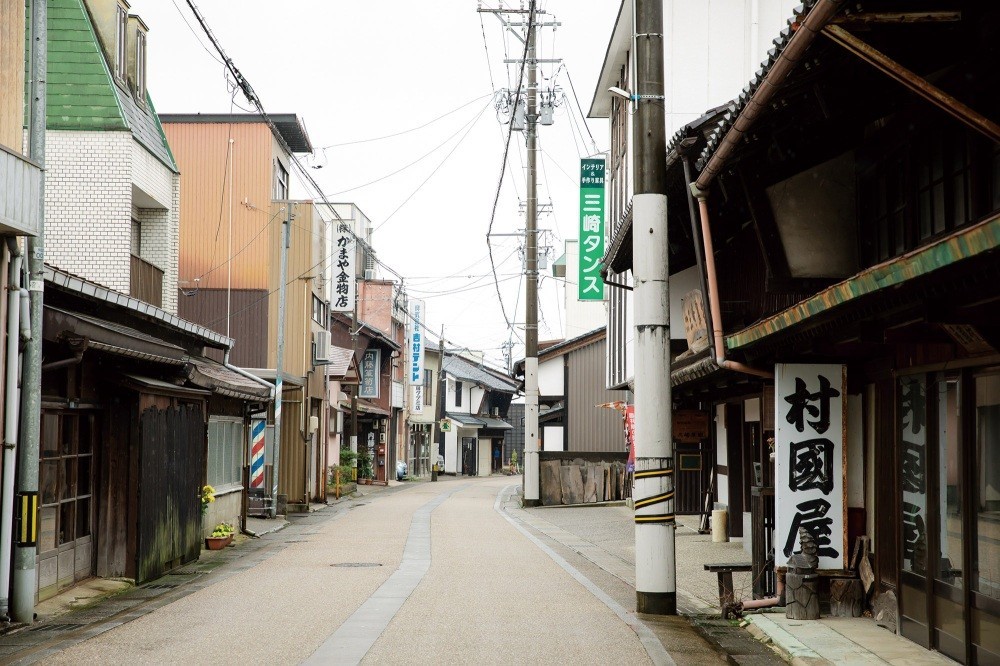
591	285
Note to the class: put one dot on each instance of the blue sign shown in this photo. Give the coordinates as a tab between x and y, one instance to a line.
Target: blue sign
371	366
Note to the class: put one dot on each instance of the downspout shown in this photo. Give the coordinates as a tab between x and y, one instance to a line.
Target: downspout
12	409
241	371
713	293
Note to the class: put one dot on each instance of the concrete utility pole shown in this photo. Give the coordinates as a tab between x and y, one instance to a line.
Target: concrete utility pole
280	356
655	570
532	495
24	580
357	388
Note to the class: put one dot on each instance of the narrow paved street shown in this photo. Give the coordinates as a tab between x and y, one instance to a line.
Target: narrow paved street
456	579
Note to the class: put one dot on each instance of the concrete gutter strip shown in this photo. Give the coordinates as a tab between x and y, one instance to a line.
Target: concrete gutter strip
789	647
657	653
356	636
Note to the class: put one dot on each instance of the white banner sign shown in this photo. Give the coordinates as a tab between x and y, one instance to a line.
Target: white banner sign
810	458
415	355
344	283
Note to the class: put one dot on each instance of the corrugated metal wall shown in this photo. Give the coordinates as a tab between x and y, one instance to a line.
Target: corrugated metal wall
292	468
591	428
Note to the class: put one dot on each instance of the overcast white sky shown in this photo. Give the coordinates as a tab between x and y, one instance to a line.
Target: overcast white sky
357	70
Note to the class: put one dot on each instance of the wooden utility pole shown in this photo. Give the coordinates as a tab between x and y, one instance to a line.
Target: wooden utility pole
655	572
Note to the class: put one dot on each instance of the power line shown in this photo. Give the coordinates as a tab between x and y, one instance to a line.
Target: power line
412	129
436	169
583	118
419	159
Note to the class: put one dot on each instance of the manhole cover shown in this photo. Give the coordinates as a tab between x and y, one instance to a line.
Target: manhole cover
357	565
56	627
185	572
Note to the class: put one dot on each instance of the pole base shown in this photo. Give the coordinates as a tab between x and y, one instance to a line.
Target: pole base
656	603
531	502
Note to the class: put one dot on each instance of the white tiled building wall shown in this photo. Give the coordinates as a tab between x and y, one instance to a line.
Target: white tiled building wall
90	181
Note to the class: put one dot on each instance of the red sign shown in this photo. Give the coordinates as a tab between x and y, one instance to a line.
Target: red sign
630	436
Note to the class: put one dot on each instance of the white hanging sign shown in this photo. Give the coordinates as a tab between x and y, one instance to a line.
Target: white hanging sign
344	283
810	458
415	355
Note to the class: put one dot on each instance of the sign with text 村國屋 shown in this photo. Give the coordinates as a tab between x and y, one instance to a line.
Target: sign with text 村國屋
415	356
810	459
344	284
590	284
371	367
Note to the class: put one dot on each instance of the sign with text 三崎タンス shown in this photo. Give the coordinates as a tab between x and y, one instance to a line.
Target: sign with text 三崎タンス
371	364
415	357
344	284
590	283
810	458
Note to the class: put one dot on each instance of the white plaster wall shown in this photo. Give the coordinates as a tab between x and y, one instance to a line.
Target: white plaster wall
680	284
721	456
476	394
550	377
554	438
451	450
483	453
88	204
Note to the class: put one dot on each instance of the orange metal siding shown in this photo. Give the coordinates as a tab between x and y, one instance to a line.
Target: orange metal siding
11	73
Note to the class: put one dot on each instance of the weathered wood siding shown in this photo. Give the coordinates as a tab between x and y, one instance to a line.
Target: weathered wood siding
171	470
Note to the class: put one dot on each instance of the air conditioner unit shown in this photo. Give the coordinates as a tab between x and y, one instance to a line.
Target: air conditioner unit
381	438
321	342
369	273
495	412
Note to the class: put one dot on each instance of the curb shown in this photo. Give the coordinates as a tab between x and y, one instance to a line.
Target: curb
783	643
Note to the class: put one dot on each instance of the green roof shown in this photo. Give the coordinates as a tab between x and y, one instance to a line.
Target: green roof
82	94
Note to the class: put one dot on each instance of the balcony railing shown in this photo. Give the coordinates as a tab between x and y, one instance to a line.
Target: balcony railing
146	282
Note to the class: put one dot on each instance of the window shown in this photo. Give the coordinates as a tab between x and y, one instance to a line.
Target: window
458	394
280	181
986	553
121	25
140	66
319	310
65	481
428	386
225	452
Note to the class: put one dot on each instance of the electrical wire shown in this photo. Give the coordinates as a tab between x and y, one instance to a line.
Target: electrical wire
436	169
583	118
489	67
412	129
419	159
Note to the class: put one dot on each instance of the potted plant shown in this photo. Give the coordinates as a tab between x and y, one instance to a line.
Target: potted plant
221	537
365	470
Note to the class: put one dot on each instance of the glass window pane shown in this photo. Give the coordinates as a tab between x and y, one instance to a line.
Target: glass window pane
913	471
86	439
69	435
67	522
82	518
47	528
48	481
83	475
68	478
986	576
50	435
949	481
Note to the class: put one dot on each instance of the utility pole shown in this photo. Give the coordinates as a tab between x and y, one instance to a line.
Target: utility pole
532	494
24	579
357	389
653	488
442	394
280	359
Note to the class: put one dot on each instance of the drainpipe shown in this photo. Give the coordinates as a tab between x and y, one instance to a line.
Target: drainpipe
713	293
12	408
75	359
241	371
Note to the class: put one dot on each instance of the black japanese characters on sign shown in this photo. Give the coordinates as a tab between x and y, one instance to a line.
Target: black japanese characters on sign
343	270
809	450
913	471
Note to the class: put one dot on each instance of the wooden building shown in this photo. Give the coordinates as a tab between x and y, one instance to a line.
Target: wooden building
127	393
845	213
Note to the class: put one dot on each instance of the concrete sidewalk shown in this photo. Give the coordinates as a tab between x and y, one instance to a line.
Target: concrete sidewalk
605	536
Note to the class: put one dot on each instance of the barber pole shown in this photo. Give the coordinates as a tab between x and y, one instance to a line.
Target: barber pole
257	453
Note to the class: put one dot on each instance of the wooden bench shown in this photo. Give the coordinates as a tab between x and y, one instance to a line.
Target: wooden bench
725	573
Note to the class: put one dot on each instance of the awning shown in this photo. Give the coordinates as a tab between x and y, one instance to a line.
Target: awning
212	375
495	424
465	420
63	325
365	407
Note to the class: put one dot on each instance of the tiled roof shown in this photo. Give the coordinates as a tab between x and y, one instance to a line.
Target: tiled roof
461	369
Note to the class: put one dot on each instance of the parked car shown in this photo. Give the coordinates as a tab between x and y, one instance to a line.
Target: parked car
400	470
440	462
